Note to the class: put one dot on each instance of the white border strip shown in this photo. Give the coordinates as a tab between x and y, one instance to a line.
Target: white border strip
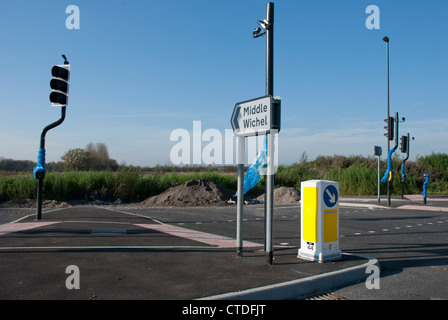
300	288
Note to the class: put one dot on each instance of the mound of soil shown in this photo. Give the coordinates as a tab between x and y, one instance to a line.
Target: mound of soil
192	193
31	203
283	195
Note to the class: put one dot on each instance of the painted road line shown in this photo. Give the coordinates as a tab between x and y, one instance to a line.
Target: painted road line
207	238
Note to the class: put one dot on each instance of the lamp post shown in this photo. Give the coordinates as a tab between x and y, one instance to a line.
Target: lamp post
269	91
268	26
386	39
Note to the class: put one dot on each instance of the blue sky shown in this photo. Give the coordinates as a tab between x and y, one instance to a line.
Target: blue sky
141	69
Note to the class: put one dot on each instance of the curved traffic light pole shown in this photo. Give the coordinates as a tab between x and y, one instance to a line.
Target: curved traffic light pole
405	146
39	170
58	97
389	174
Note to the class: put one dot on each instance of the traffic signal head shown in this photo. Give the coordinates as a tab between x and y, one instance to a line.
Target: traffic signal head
404	144
377	151
389	128
59	84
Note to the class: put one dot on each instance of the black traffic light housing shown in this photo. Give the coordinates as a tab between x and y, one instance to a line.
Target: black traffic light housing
389	128
404	144
60	84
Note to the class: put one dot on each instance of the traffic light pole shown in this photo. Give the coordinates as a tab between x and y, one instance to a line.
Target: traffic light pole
41	175
58	97
379	198
395	148
403	162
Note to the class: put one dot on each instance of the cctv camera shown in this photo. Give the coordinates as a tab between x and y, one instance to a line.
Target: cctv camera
256	32
264	24
386	39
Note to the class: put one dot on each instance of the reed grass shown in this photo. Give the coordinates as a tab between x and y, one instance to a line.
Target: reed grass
356	176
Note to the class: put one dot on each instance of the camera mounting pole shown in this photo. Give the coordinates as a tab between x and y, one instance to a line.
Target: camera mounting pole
269	201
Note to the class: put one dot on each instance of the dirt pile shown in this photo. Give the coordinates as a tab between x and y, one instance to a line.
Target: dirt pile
192	193
283	195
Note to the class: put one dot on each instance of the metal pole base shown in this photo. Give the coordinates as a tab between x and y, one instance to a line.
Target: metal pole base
39	198
270	257
424	201
239	252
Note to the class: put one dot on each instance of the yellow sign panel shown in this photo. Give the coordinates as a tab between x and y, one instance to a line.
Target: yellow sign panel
330	225
310	210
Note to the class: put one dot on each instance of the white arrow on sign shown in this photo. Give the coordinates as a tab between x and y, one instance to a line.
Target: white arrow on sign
332	196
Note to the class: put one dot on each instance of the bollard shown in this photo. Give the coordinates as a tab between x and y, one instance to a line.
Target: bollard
320	221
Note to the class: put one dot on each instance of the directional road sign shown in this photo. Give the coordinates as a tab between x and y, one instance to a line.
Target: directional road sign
330	196
256	117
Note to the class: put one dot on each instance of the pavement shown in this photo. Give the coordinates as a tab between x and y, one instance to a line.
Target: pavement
120	255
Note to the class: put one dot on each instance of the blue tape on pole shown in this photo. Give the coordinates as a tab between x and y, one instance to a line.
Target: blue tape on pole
425	184
40	167
403	174
389	165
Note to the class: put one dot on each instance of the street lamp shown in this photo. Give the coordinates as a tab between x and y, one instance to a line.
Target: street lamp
386	39
268	26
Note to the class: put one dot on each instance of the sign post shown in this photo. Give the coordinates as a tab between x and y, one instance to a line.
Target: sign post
240	198
259	117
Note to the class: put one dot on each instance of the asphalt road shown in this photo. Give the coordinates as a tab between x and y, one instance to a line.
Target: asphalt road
128	256
409	240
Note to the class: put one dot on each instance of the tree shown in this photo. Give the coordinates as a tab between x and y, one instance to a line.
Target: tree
16	165
76	159
93	157
99	157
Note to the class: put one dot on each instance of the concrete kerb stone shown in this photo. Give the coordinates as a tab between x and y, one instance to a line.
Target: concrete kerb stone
296	289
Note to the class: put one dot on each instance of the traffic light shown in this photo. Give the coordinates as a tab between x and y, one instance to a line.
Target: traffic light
404	144
59	84
389	128
377	151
